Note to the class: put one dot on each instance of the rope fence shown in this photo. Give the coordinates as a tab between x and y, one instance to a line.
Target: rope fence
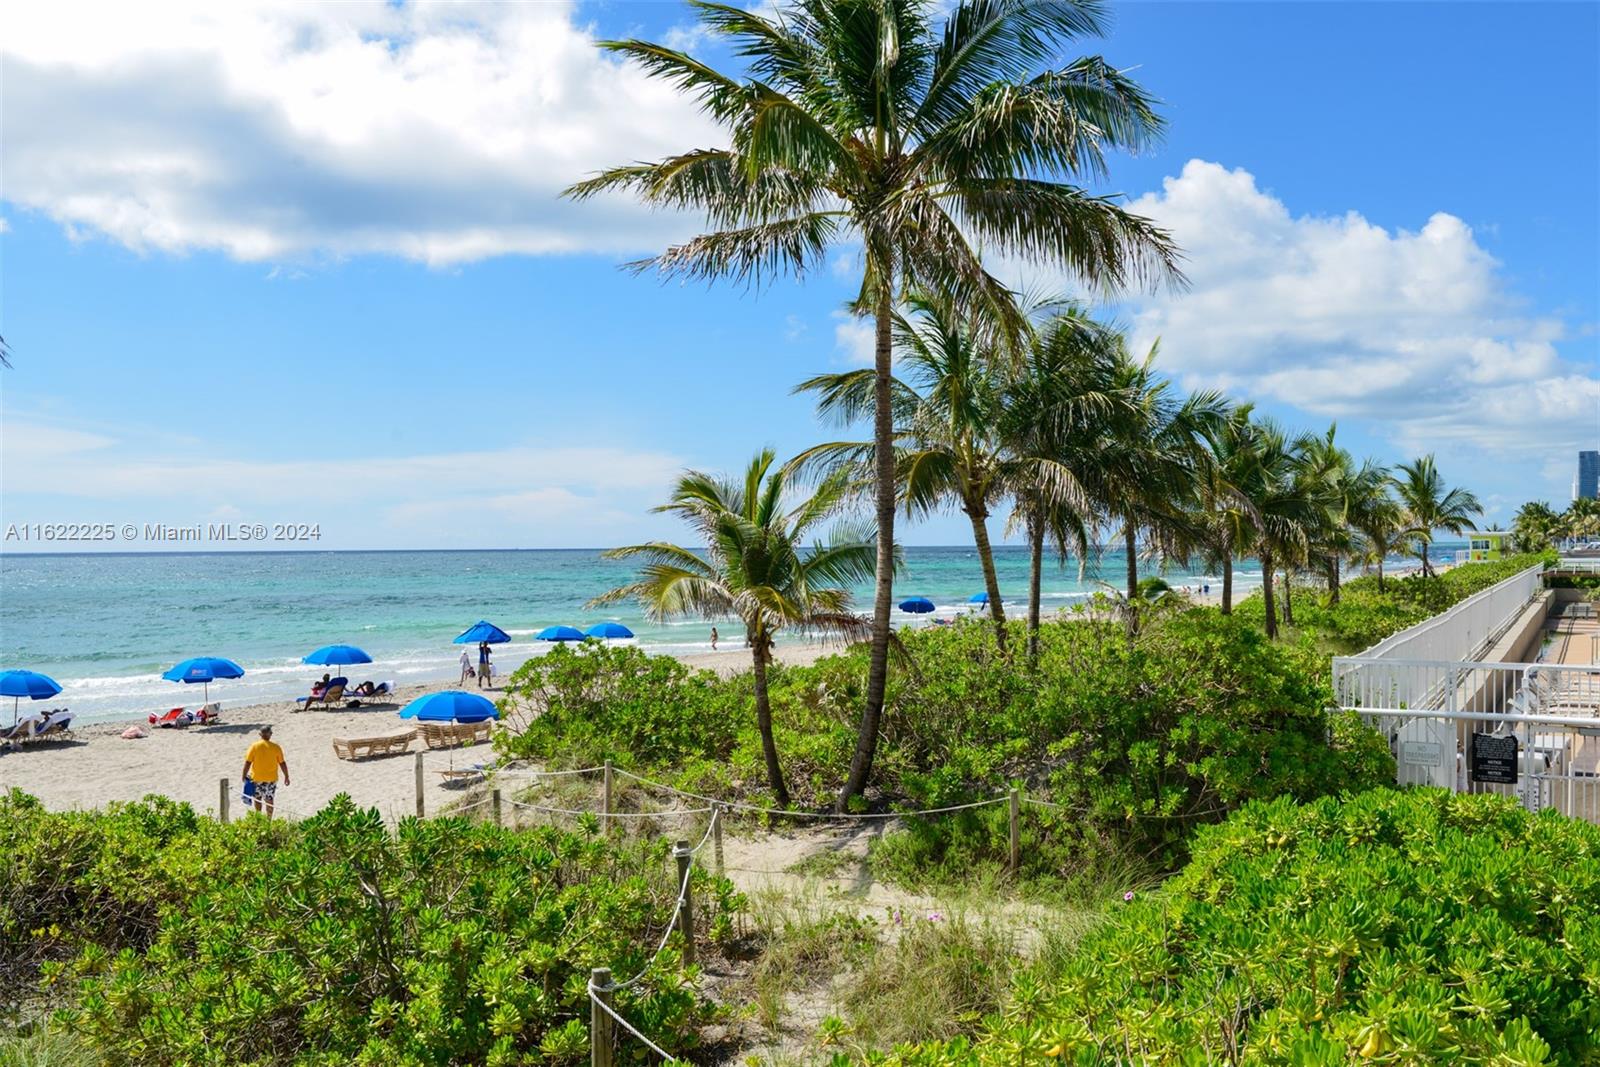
605	1021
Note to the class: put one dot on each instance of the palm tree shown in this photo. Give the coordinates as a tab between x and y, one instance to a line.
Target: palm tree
1147	469
1225	489
948	405
1058	405
1283	508
1378	518
861	121
753	569
1535	527
1430	506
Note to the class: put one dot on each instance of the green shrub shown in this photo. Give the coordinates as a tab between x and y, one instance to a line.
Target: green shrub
172	939
1364	615
1138	740
1397	927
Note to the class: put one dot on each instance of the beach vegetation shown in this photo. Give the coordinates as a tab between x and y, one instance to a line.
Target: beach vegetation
919	140
158	936
1391	927
1430	505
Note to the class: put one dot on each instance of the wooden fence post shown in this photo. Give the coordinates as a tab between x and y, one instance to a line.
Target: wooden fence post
1016	832
716	836
420	810
601	1035
605	800
685	859
495	797
223	796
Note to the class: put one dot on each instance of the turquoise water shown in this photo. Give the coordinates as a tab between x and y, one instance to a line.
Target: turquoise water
105	626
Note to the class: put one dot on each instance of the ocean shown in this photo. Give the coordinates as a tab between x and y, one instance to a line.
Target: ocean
106	625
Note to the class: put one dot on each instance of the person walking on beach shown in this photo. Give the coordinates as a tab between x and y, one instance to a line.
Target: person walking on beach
261	763
713	639
466	666
485	667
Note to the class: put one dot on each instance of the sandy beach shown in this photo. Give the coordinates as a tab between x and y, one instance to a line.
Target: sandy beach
97	766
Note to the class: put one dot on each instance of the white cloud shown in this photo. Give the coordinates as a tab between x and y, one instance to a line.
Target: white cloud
439	132
518	495
855	338
1415	330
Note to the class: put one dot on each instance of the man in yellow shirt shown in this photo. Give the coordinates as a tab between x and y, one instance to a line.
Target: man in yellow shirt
261	763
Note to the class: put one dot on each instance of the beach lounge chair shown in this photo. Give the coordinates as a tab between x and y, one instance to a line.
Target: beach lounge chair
176	717
330	697
454	734
382	693
56	726
354	748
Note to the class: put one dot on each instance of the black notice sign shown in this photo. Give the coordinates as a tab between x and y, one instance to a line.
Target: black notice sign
1494	759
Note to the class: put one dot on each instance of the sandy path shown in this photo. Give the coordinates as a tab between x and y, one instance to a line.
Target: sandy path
98	766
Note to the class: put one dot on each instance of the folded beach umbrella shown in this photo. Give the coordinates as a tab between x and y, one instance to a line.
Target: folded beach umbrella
978	598
452	705
608	630
337	656
917	605
30	684
562	633
205	670
480	632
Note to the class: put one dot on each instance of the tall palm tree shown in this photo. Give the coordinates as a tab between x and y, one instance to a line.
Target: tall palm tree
754	569
948	406
1058	405
862	121
1430	505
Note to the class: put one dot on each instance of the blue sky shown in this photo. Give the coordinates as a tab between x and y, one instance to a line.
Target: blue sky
308	266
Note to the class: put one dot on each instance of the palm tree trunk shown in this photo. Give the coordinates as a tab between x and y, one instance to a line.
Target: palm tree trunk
1266	594
1423	552
769	747
883	596
1227	574
1130	543
1035	580
991	581
1380	570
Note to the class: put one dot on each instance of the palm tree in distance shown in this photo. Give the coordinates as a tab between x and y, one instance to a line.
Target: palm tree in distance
862	121
1058	406
754	569
1430	506
1378	517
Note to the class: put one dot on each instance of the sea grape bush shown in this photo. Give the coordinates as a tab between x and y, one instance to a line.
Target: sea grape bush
1386	927
169	939
1139	739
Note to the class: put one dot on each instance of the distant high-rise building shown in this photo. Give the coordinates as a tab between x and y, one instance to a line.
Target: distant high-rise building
1588	484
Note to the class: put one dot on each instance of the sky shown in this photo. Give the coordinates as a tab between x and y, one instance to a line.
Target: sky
308	265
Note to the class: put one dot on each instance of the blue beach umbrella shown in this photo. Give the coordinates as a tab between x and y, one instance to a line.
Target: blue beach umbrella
337	656
978	598
917	605
560	633
452	705
482	631
205	670
608	630
30	684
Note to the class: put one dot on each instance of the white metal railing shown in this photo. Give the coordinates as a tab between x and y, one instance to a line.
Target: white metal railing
1467	628
1570	565
1557	763
1361	684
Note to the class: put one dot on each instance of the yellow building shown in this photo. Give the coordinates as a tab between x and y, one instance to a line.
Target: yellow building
1484	546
